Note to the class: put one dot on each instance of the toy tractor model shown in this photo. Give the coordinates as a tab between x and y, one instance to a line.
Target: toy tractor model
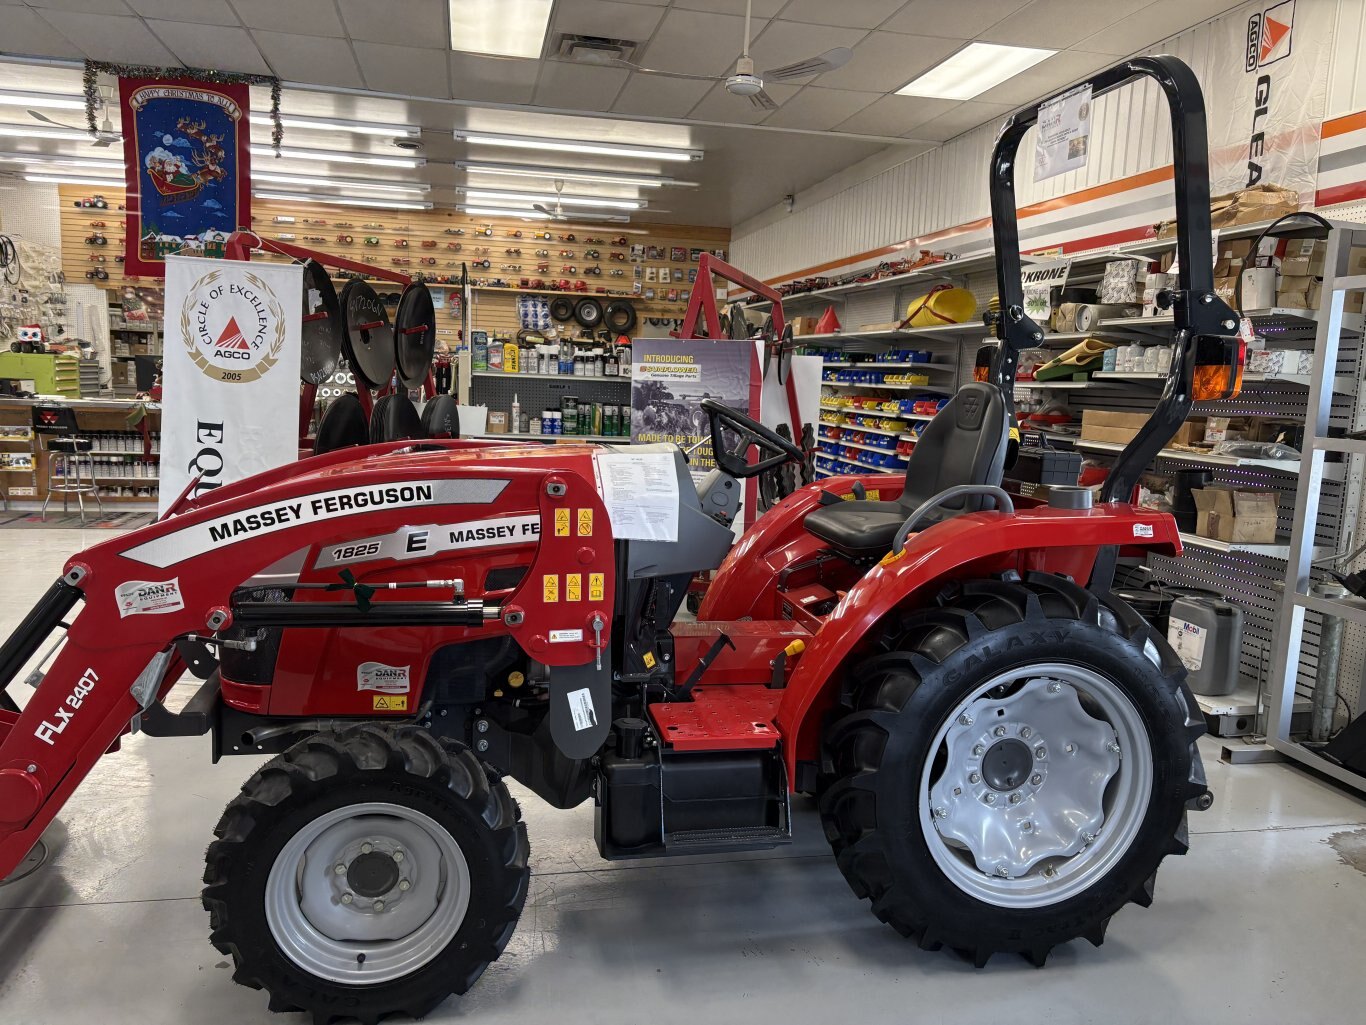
1003	752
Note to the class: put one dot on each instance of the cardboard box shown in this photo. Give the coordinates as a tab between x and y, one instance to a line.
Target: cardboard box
1227	290
1280	361
1259	288
1226	514
497	423
1304	257
890	325
1232	253
1110	425
1216	429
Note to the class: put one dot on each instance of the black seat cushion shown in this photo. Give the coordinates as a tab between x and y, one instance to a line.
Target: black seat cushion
859	528
964	444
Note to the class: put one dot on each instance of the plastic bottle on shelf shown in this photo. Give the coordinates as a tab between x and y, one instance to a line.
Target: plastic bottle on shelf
515	417
609	363
623	357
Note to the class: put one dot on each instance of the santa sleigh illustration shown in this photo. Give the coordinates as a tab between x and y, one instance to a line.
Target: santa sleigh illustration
174	182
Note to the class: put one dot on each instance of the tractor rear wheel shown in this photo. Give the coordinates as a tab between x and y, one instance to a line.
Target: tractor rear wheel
368	872
1012	767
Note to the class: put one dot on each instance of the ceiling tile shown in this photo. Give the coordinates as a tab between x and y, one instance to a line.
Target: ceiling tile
784	42
1055	24
504	79
605	18
578	86
701	44
762	8
1152	24
819	109
418	23
111	38
27	33
84	6
203	12
403	69
211	46
719	105
885	61
658	96
306	17
895	115
856	13
1046	77
311	59
962	19
962	118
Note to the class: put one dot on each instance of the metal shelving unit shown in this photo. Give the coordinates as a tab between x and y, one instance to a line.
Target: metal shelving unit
1295	626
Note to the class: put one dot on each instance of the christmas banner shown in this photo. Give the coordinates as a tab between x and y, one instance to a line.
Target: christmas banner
187	164
230	372
1267	93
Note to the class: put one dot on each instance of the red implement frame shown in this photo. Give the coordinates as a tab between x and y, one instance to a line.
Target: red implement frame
240	246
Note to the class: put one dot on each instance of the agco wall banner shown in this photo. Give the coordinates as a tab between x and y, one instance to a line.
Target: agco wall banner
230	372
1267	93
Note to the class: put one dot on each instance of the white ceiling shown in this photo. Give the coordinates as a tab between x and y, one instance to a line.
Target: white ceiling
401	47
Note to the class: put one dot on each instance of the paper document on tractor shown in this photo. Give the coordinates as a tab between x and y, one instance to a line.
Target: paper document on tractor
640	490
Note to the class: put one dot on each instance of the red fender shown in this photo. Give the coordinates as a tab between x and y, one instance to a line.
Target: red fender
964	548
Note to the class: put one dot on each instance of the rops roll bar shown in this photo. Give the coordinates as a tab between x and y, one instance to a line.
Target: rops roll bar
1197	313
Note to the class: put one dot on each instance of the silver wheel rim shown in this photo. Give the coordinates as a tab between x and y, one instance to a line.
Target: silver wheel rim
370	933
1025	829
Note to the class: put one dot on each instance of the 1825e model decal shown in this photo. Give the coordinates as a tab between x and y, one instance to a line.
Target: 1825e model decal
416	542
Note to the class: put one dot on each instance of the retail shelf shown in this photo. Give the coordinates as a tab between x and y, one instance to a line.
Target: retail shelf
945	268
1331	471
575	378
1278	550
1124	375
861	430
897	387
1052	384
861	445
1283	318
617	440
851	411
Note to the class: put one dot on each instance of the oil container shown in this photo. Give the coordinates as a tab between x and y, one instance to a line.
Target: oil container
1207	633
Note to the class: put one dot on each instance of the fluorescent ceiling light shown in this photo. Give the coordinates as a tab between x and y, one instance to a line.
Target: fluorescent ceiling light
42	101
326	124
381	204
333	156
973	70
498	211
606	149
417	188
538	197
569	174
70	179
35	159
37	131
503	28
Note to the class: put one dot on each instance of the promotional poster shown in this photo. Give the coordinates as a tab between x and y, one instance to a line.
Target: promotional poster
230	372
187	165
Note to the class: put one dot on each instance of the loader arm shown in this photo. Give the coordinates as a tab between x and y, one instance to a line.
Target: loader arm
118	656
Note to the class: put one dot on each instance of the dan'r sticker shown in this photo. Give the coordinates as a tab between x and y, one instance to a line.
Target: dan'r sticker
149	597
582	710
391	702
1143	530
385	679
565	636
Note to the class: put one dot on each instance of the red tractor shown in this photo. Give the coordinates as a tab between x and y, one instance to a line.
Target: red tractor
1002	751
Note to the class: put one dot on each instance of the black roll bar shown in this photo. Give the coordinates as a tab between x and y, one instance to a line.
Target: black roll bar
1196	311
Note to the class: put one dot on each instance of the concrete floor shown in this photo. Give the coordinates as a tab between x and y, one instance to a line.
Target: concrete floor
1263	921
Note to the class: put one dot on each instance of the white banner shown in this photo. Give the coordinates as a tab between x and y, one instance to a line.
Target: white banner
230	372
1266	92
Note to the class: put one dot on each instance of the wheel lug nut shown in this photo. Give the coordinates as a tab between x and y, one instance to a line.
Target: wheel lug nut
941	813
965	719
1026	826
1089	837
398	855
404	885
1036	779
379	905
366	848
1112	747
1041	752
1002	872
340	869
975	778
1070	748
1026	732
999	731
1015	798
989	798
1054	687
347	898
978	750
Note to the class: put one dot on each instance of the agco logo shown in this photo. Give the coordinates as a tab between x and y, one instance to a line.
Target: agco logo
1268	35
233	330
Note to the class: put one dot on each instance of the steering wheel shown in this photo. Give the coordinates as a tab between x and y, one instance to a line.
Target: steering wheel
750	432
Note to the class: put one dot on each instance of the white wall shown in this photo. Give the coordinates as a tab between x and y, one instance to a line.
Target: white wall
887	198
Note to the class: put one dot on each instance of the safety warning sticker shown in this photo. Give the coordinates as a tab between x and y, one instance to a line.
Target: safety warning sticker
595	586
581	709
585	523
391	702
561	522
550	588
573	587
565	636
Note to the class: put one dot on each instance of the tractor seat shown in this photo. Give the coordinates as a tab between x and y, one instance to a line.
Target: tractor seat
964	444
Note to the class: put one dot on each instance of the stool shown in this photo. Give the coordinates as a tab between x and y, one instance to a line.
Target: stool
66	452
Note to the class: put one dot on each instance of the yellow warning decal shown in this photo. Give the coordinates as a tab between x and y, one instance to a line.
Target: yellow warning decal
595	586
649	660
585	523
874	495
848	496
561	522
550	587
391	702
891	557
573	587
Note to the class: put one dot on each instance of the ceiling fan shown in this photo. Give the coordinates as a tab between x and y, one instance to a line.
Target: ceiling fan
744	82
558	214
105	137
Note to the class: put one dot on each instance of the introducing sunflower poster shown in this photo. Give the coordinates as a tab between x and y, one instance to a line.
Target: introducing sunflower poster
187	164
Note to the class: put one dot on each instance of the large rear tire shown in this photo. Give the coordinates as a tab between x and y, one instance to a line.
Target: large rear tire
1012	767
366	873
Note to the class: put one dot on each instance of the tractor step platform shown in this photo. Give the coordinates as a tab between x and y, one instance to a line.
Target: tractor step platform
738	718
715	841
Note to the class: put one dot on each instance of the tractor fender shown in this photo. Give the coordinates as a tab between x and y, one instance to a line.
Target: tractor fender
968	547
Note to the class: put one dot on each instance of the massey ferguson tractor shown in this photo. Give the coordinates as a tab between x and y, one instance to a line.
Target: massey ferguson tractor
1002	751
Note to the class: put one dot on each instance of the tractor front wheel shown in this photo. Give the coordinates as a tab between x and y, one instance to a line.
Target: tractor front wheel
368	872
1012	768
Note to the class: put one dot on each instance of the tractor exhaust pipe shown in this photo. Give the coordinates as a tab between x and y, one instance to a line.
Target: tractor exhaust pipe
46	616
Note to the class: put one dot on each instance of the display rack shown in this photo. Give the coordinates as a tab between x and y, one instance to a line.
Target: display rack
1301	614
